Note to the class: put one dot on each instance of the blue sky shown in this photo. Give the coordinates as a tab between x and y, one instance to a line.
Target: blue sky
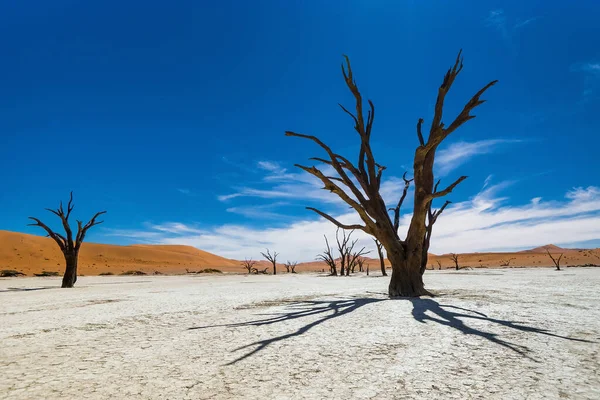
171	116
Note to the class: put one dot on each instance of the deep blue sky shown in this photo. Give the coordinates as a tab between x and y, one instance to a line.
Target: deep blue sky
152	110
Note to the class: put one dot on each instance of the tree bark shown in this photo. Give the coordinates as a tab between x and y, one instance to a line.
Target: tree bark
406	279
70	276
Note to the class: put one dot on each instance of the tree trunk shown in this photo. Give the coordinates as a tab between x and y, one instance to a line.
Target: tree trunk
274	269
382	265
70	276
406	280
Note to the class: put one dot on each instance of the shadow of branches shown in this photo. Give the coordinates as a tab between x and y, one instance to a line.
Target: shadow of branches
424	310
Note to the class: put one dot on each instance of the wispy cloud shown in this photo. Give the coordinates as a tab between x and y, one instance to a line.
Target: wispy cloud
280	184
459	153
526	22
498	21
184	191
591	78
483	223
260	211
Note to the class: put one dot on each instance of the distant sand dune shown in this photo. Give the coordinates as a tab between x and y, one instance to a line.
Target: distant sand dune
32	254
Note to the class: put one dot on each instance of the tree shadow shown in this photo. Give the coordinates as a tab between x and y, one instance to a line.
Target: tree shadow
328	309
14	289
331	309
442	315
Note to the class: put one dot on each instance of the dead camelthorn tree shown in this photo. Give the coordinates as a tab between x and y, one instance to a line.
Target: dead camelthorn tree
355	259
454	258
249	265
506	263
272	258
69	246
363	264
381	258
328	258
358	185
439	263
343	245
556	261
290	266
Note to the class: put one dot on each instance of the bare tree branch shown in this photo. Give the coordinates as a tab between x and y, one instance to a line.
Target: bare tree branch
448	189
336	222
419	132
399	205
59	239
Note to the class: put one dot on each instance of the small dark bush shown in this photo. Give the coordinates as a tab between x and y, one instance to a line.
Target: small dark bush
47	273
5	273
134	272
210	271
158	273
105	273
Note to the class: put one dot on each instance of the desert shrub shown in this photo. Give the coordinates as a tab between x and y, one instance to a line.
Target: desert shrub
5	273
210	271
134	272
205	271
105	273
47	273
158	273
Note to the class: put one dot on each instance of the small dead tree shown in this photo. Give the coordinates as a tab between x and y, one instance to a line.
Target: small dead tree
439	263
249	264
556	261
506	263
358	185
344	249
355	259
363	264
69	246
381	258
291	266
327	258
272	258
454	258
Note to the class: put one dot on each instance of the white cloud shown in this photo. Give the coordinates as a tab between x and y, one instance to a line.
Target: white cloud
184	191
479	224
459	153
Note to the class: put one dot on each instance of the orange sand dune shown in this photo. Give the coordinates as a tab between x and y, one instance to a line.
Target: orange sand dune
529	258
32	254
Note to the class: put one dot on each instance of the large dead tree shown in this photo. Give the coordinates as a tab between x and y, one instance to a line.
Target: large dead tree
359	185
328	258
381	258
556	261
68	245
272	258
